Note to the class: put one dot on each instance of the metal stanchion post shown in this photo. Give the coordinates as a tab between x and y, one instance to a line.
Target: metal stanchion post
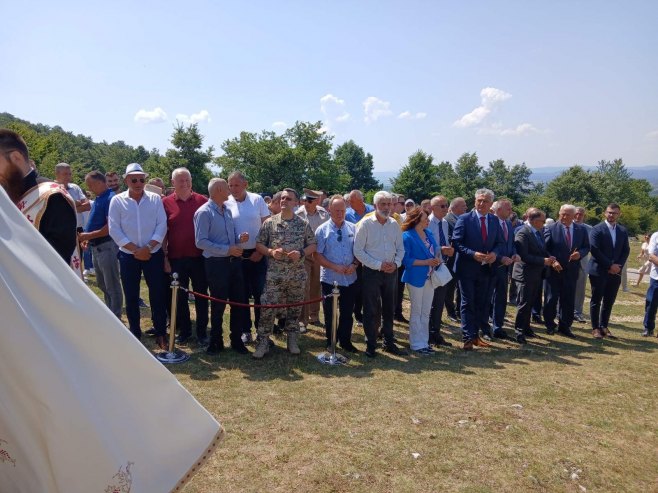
173	355
331	357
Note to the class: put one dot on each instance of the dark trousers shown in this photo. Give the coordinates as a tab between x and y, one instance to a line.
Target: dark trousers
131	271
499	298
345	308
358	296
474	306
651	306
604	293
526	296
225	281
453	299
254	274
378	291
436	312
191	269
399	294
538	303
560	288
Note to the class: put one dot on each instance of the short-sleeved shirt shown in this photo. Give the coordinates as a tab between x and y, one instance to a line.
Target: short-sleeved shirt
180	224
337	248
99	211
77	194
248	216
354	217
289	234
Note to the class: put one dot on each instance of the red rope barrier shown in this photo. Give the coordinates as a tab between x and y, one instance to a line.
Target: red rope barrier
247	305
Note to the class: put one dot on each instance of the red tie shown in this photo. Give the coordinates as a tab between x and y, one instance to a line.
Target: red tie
483	229
505	233
569	238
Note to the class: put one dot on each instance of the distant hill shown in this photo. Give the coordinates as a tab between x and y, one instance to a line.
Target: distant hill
548	173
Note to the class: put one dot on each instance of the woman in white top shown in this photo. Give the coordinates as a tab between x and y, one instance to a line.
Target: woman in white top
644	255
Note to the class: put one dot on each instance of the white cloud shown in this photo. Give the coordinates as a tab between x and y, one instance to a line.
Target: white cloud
156	115
201	116
375	108
652	135
408	115
491	97
279	125
333	109
519	130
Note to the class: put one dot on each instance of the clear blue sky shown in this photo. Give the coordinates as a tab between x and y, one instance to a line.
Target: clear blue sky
545	83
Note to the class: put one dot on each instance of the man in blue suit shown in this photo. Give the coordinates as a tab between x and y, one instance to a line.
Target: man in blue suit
610	249
479	242
497	298
568	242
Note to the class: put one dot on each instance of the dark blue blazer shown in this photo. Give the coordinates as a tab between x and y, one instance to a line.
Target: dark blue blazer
414	248
603	253
556	244
508	246
467	239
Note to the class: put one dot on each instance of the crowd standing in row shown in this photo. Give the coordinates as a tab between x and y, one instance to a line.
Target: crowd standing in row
237	245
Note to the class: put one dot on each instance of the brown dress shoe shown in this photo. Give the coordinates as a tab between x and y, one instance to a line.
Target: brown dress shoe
605	332
597	333
468	346
481	343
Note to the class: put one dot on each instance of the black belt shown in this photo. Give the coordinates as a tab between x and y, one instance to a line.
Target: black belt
228	259
247	253
100	241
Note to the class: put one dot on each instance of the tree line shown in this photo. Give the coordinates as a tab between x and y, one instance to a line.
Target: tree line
304	156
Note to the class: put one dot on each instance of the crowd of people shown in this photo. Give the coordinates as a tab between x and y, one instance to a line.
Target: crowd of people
236	245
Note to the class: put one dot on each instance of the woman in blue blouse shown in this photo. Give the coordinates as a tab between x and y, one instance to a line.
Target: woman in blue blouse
420	258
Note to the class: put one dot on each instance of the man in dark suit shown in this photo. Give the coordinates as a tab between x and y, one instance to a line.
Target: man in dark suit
568	242
497	297
610	249
453	298
528	273
479	242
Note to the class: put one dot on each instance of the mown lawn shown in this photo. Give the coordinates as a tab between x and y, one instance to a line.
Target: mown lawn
555	415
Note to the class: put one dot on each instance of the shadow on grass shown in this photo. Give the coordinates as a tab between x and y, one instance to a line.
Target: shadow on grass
278	364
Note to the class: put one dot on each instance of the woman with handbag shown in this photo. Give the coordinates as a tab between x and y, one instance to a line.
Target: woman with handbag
420	260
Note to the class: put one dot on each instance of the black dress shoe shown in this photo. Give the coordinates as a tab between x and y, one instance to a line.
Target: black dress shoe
647	333
349	347
440	341
567	333
579	318
401	319
239	347
529	333
214	348
537	319
453	318
182	340
487	337
150	332
521	339
202	341
501	334
371	352
393	349
550	332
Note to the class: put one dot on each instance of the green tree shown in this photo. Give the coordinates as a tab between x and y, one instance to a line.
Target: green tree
511	182
469	177
576	186
187	152
358	165
418	179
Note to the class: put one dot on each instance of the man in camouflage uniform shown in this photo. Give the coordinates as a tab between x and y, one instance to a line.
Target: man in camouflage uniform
286	239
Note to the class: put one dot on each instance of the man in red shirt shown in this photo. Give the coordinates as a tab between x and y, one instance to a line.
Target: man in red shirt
183	257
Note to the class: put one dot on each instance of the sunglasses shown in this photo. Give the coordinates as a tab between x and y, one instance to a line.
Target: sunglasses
135	180
340	235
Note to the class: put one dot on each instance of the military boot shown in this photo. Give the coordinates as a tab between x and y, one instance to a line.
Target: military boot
262	347
292	343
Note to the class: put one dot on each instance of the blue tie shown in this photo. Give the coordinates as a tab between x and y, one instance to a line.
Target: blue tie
539	238
442	239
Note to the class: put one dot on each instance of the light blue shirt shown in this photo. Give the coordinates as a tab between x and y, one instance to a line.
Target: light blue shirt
339	252
354	217
214	231
137	222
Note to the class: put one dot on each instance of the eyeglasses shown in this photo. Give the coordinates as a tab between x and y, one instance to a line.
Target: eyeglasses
135	180
340	235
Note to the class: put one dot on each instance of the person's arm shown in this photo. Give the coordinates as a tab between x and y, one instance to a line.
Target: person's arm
596	239
160	225
399	246
202	223
99	233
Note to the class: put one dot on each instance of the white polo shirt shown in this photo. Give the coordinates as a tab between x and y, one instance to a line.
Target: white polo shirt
248	215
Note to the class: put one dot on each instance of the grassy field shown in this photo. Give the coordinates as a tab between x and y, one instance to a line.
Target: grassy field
555	415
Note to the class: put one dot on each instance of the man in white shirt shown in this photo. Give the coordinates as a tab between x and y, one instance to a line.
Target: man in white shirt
378	246
138	224
249	211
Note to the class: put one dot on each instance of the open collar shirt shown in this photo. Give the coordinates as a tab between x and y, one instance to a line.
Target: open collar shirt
339	252
375	243
137	222
214	230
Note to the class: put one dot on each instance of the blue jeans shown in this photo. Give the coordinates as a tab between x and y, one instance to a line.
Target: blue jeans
131	276
651	305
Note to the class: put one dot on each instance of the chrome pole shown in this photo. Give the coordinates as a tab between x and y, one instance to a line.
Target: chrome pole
173	355
331	357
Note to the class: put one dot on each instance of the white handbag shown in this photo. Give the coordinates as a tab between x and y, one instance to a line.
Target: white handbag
440	276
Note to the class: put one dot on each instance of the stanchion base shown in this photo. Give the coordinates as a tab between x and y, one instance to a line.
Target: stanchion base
328	358
177	356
